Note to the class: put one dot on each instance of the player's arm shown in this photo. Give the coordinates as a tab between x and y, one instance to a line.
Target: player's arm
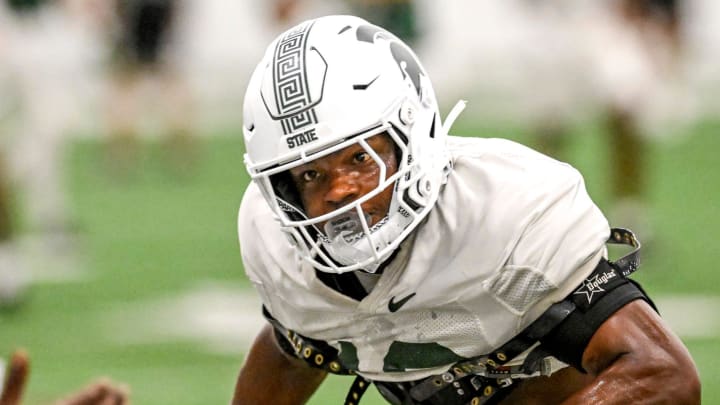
269	376
635	358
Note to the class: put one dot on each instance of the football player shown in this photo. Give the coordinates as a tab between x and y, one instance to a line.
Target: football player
444	270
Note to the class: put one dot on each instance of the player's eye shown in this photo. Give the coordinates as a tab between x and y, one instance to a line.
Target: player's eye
309	175
361	157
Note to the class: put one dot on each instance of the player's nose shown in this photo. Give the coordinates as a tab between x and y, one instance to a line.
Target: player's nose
344	188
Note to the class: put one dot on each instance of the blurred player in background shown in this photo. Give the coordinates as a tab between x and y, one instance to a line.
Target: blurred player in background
51	54
621	58
550	67
10	285
146	84
399	16
639	67
46	51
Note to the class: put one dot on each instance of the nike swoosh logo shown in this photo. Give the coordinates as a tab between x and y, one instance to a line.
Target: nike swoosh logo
364	86
394	306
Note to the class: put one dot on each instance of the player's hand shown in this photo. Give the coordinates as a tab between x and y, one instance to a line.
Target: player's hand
101	392
15	378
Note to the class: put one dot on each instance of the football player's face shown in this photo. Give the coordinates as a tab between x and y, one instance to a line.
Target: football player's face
333	181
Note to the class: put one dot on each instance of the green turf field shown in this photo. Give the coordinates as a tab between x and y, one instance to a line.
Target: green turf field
153	233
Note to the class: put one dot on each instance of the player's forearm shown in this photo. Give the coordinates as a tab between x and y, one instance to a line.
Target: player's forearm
269	377
636	359
634	380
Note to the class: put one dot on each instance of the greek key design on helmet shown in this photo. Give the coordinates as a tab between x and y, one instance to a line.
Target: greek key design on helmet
292	95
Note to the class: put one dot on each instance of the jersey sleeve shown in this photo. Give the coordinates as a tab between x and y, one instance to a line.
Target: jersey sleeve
558	233
566	229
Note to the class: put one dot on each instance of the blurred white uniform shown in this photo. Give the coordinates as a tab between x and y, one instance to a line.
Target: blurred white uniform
512	232
46	86
48	66
702	34
539	60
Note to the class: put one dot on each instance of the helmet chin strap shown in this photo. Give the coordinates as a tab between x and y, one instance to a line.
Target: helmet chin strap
351	242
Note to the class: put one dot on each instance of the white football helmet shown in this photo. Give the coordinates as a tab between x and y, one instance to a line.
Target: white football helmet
326	84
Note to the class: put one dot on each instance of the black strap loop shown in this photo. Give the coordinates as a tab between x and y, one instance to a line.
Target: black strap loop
631	261
356	391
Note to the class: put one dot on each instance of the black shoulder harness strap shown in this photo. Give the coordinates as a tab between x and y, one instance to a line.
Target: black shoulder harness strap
602	293
485	379
316	353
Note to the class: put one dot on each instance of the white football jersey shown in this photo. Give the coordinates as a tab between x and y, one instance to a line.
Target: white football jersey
512	232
